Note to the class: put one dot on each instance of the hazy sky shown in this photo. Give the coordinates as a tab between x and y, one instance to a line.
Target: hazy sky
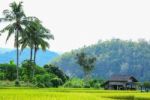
76	23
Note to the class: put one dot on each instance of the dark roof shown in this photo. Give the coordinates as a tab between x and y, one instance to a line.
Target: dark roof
121	78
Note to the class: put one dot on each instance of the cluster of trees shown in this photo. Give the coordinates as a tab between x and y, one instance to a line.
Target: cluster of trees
28	31
112	57
8	71
33	75
81	83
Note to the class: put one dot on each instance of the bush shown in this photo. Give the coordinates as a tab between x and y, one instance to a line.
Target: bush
74	83
7	83
42	80
47	80
2	76
86	85
56	82
95	83
41	85
27	70
8	72
79	83
146	86
17	83
58	72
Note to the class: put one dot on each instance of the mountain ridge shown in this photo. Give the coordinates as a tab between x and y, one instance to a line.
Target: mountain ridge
43	57
113	57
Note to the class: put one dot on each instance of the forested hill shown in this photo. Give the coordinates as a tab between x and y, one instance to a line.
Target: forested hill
113	57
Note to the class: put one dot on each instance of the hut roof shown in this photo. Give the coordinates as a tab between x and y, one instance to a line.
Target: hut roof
121	78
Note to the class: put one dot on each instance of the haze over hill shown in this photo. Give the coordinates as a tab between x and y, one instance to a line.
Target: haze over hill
42	57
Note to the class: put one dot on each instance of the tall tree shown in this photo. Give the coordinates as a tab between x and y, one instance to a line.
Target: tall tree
86	63
17	20
27	39
36	37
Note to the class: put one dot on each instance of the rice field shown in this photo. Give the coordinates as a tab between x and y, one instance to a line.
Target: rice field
69	94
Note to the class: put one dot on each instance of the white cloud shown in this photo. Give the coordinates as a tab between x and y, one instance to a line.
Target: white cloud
75	23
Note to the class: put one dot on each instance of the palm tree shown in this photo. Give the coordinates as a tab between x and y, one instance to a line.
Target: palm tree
27	39
17	20
36	37
41	43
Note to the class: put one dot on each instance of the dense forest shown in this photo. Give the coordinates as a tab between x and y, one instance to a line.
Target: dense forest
113	57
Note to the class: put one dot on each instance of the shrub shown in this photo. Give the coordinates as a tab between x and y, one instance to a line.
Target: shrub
2	76
74	83
27	70
56	82
9	71
58	72
17	83
44	80
86	85
95	83
146	86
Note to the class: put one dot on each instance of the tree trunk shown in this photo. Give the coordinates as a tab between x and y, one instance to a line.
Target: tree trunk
86	76
31	53
17	46
35	51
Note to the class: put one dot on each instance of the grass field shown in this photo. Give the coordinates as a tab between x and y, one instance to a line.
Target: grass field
69	94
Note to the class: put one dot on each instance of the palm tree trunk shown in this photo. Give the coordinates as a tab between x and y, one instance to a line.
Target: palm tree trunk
31	53
17	46
35	51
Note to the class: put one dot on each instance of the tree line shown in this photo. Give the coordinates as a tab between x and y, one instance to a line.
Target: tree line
46	76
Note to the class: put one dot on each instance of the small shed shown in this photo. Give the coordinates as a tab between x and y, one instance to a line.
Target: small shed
120	82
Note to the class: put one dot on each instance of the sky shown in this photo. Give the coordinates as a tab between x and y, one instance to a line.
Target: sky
75	23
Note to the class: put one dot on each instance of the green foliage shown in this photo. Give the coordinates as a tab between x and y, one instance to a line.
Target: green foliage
33	75
28	69
55	70
40	70
2	75
12	62
146	84
17	83
7	71
56	82
44	80
95	83
113	57
74	83
86	62
7	83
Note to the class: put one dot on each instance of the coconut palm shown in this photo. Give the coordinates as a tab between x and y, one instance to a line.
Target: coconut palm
16	18
41	43
27	40
36	37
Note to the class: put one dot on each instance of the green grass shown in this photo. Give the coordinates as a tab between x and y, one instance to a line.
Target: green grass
69	94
